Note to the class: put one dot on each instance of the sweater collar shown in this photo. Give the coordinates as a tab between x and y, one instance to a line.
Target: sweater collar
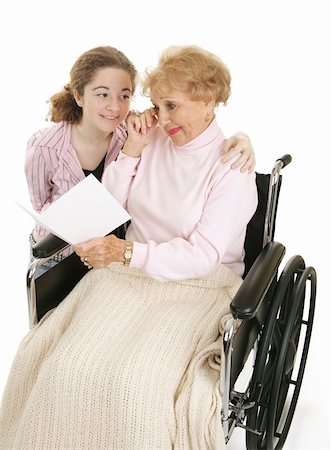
203	139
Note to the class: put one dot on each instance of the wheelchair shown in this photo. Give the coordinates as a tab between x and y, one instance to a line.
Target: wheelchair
272	313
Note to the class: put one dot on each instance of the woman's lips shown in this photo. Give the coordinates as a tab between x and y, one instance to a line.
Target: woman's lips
173	131
110	117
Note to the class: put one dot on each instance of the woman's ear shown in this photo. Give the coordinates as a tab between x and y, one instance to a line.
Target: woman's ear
210	110
77	98
210	105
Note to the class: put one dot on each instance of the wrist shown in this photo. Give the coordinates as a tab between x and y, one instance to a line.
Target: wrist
133	149
127	255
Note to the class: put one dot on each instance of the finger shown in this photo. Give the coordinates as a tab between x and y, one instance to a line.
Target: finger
143	124
245	168
231	154
78	251
238	162
154	112
249	166
134	112
243	156
87	247
99	263
82	248
87	262
149	118
134	123
228	144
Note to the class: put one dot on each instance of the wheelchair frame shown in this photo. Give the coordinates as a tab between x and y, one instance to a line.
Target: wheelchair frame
266	407
271	310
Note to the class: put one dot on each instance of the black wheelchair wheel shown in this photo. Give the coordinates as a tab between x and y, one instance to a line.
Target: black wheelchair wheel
276	354
283	402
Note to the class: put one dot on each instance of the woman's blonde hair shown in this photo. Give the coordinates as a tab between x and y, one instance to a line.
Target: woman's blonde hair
192	70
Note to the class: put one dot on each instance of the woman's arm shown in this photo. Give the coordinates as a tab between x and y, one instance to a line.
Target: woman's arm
229	208
119	174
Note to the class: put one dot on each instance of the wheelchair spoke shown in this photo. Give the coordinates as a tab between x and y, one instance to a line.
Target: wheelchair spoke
277	386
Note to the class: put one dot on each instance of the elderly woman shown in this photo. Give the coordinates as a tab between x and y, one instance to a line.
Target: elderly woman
131	358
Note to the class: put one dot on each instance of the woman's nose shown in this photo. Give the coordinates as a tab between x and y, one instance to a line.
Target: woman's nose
163	117
113	105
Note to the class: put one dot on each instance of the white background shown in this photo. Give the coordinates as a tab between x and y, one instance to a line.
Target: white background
279	56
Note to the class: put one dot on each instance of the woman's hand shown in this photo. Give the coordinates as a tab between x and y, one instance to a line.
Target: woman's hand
140	128
100	252
239	144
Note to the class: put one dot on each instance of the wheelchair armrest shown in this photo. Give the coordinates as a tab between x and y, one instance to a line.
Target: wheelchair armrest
246	302
48	246
51	244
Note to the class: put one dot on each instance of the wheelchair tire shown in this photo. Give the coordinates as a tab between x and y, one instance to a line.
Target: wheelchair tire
276	355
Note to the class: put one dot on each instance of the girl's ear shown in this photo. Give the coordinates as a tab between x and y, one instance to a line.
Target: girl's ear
77	98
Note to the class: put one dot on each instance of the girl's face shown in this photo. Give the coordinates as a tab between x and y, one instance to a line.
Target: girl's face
106	99
182	118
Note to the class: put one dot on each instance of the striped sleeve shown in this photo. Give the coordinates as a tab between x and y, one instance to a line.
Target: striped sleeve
40	166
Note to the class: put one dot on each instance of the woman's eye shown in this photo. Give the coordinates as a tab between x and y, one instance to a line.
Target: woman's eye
171	106
103	95
125	97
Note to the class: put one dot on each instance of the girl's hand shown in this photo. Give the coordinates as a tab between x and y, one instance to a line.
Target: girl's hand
239	144
140	128
100	252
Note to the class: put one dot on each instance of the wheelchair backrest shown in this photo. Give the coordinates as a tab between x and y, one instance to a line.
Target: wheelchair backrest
257	227
256	236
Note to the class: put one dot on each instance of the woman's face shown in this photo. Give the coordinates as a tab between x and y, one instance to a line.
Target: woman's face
182	118
106	99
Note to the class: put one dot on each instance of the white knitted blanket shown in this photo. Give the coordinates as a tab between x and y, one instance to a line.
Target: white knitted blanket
123	363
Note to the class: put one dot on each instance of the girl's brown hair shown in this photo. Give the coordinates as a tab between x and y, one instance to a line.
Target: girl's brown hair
63	106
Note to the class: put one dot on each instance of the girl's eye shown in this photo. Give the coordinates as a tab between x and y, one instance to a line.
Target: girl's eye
103	95
125	97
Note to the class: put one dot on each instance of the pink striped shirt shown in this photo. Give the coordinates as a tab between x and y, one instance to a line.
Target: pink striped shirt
189	210
52	166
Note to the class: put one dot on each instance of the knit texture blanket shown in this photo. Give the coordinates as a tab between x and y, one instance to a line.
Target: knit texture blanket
125	362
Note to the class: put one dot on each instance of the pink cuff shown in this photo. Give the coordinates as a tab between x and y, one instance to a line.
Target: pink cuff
139	255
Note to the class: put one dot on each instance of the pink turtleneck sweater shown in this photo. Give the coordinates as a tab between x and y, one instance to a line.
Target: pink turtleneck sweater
189	211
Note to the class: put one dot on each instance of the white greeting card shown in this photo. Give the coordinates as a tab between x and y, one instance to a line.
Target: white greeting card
86	211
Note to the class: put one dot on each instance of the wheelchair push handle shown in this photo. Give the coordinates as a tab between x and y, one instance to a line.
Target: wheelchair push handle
279	165
284	160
